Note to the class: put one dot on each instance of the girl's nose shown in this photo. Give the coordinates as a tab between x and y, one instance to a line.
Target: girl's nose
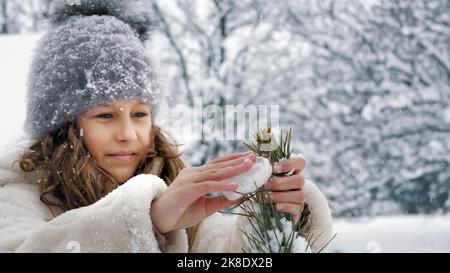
126	131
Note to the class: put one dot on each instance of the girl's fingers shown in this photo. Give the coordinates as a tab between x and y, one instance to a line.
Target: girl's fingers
219	171
294	163
295	197
203	188
294	209
227	172
228	163
228	157
293	182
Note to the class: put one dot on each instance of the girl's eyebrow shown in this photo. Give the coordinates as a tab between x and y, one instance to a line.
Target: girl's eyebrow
116	107
112	105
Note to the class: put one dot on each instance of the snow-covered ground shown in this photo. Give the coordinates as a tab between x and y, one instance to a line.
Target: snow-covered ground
392	234
380	234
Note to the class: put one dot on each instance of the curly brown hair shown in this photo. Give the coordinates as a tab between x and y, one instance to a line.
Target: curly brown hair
65	169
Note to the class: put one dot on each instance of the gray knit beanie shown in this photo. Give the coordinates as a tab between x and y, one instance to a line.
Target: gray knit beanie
93	53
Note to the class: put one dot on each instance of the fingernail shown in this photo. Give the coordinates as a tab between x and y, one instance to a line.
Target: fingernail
251	155
278	168
246	161
248	153
233	184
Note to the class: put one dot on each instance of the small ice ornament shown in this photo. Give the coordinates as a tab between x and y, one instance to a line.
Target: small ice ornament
250	180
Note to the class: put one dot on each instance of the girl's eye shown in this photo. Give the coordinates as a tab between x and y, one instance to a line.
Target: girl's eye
104	116
140	114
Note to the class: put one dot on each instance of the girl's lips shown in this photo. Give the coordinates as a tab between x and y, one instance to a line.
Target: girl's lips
123	157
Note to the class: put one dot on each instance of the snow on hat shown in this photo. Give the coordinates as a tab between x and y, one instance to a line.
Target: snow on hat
92	54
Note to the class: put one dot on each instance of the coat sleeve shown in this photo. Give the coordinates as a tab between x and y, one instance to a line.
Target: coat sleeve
119	222
222	233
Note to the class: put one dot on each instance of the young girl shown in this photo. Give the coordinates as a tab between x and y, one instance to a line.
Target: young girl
98	175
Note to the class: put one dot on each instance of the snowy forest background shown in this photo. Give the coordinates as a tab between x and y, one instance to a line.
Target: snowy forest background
365	85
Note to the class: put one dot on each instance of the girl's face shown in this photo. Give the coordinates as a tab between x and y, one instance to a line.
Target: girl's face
117	135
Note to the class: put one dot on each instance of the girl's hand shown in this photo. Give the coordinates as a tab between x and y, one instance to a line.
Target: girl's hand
184	203
287	191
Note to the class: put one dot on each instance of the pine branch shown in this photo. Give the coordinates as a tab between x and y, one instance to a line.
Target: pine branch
266	232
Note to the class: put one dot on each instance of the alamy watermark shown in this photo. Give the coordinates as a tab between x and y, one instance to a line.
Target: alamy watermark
215	122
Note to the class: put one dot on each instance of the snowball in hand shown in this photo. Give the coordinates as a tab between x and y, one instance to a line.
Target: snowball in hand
250	180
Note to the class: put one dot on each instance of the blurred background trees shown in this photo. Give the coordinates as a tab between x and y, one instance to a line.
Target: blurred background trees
20	16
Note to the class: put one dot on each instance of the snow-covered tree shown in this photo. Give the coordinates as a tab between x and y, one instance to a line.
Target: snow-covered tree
18	16
210	43
381	106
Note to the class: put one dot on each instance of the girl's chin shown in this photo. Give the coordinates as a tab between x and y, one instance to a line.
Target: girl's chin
123	175
122	179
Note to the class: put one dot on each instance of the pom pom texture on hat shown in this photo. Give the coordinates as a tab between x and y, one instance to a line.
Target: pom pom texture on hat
136	13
